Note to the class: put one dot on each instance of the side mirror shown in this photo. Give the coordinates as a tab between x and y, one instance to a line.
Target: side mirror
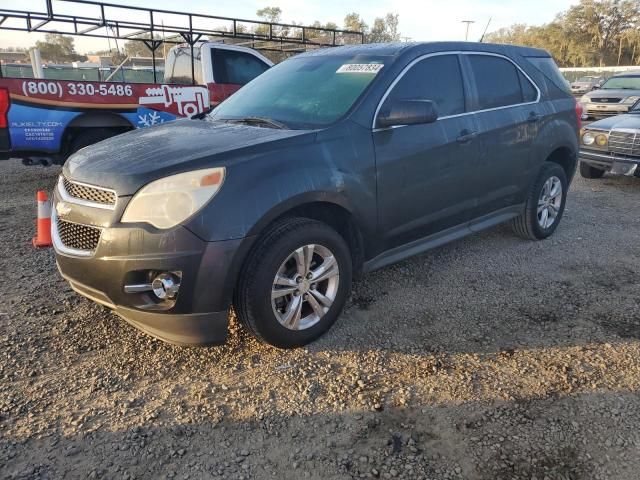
407	112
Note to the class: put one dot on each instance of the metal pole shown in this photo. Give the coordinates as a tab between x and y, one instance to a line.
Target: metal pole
468	22
153	51
36	63
191	42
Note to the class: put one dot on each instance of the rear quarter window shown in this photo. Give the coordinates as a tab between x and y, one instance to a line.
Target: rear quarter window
178	67
550	70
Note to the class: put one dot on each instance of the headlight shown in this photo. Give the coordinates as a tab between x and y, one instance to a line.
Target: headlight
631	100
171	200
588	138
584	99
602	140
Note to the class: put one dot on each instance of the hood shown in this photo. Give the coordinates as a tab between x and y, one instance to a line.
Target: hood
630	120
129	161
611	93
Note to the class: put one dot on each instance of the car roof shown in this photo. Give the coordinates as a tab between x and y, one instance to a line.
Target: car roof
400	48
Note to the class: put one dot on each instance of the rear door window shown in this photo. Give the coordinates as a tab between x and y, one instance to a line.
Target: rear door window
497	81
438	79
239	68
529	92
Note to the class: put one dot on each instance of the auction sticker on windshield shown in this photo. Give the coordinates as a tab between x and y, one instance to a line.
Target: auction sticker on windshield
360	68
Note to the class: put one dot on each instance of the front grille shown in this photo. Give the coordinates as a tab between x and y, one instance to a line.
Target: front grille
602	113
624	142
606	100
90	194
78	237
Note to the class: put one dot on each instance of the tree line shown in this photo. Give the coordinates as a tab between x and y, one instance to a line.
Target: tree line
591	33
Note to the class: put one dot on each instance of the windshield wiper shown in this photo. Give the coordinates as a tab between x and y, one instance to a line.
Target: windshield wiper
264	121
202	115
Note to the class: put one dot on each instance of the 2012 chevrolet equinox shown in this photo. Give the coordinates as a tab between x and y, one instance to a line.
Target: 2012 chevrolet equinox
330	164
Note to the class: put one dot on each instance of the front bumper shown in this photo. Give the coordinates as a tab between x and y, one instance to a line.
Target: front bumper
607	161
601	110
181	329
131	254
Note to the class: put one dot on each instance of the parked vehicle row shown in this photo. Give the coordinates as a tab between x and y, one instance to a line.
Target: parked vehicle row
329	165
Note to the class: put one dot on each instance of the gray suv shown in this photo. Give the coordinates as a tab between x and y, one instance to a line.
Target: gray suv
329	165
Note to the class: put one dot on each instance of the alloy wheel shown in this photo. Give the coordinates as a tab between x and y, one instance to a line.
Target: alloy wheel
305	287
549	202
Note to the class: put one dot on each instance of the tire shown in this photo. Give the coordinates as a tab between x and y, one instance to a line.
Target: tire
587	171
529	225
274	254
89	137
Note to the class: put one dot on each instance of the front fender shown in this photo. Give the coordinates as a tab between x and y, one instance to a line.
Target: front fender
337	168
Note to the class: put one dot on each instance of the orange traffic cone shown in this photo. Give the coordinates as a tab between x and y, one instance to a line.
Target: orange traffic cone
43	231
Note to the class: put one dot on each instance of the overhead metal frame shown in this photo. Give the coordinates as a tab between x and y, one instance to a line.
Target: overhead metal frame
106	26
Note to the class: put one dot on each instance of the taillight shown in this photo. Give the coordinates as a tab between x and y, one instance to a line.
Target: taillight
579	111
4	107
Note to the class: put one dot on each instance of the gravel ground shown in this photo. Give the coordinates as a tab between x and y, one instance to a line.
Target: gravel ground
491	358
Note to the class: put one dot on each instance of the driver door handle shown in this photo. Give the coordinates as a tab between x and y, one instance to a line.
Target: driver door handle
466	136
533	117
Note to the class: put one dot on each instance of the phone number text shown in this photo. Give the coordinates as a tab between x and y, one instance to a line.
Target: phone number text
77	89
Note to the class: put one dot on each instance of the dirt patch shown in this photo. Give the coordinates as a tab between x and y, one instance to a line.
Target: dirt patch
491	358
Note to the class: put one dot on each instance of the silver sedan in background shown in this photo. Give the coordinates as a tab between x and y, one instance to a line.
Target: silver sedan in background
616	96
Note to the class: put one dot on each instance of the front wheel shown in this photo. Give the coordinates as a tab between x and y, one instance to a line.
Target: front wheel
587	171
545	204
295	283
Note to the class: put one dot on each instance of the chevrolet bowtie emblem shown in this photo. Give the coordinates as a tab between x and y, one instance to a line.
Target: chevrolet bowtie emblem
62	209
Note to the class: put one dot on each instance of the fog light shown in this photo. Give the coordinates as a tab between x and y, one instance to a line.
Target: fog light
165	286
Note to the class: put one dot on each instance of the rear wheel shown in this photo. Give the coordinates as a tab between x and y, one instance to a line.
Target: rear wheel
89	136
295	283
545	204
587	171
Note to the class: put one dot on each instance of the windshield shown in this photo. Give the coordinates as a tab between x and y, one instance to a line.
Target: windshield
586	79
305	92
624	83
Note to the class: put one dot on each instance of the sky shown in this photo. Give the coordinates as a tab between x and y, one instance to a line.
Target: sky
420	20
